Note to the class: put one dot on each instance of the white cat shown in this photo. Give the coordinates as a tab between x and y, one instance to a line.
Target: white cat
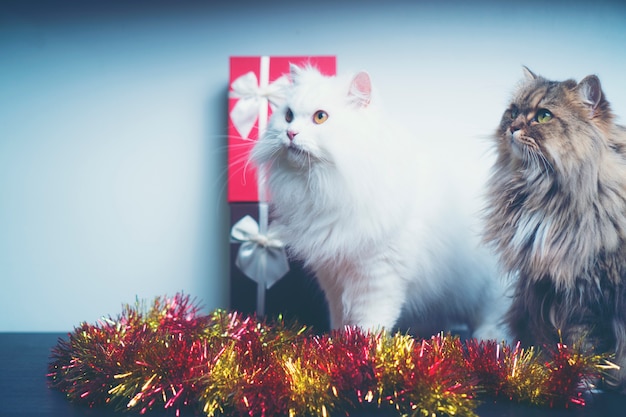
364	208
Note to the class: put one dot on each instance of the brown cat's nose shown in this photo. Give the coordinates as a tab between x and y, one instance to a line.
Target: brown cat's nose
515	127
291	134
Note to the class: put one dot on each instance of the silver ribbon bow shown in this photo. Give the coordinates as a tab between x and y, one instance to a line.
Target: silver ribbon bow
251	97
261	257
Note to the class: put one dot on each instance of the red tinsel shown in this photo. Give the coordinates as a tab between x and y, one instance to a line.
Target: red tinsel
171	356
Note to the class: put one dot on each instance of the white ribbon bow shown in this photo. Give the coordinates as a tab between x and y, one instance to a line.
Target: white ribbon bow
261	258
251	97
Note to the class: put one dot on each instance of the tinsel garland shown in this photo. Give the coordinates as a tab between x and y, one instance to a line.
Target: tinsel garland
169	355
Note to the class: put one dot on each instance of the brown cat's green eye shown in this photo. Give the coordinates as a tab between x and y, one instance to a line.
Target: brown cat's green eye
320	117
514	113
288	116
543	116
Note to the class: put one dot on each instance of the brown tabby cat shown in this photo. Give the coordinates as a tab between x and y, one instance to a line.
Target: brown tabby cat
557	216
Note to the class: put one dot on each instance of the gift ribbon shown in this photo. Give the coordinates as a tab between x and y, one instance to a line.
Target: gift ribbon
261	257
253	97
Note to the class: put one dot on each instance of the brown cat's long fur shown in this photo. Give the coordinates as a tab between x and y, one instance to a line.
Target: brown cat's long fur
557	216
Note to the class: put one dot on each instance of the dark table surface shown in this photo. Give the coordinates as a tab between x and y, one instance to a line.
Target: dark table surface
24	391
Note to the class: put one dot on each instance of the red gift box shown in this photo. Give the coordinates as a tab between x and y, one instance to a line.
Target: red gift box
254	83
262	280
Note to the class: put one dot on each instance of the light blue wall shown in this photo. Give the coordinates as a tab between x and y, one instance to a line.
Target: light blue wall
112	122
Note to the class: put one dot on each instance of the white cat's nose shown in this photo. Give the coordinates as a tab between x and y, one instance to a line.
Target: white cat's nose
291	134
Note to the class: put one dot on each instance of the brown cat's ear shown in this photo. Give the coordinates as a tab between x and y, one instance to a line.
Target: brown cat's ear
590	91
360	89
528	74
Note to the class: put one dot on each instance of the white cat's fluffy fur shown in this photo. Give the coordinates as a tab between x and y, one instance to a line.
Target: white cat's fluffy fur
368	213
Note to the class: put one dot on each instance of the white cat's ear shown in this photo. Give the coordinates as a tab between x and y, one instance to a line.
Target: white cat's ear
294	72
590	91
528	74
360	91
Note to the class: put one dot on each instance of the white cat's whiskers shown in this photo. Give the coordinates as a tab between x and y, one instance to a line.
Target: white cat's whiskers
230	169
308	178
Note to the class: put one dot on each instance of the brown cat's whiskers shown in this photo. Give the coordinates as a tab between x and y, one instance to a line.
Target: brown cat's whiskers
533	155
540	160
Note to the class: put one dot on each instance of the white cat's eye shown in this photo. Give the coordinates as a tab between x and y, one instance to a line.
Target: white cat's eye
288	116
543	116
320	117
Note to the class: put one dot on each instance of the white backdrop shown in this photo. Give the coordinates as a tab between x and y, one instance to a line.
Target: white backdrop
113	122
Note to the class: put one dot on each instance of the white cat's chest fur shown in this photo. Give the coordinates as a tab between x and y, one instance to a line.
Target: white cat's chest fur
330	213
386	235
